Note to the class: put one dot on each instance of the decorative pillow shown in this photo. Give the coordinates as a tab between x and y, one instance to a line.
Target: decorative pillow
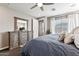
76	40
61	36
69	38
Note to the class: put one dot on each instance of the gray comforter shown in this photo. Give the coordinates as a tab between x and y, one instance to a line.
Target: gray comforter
49	46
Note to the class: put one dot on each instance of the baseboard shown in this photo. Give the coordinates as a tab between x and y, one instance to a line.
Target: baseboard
4	48
8	47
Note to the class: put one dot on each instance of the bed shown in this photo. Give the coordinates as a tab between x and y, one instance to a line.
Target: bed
49	45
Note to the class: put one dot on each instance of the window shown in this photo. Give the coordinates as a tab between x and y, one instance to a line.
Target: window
61	24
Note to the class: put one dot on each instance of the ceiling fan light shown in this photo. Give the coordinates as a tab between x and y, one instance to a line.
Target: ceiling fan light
40	4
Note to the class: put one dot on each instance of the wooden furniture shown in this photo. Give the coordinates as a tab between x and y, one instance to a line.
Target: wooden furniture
23	37
4	42
17	39
14	39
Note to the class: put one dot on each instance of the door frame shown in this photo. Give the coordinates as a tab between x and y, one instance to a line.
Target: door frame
32	28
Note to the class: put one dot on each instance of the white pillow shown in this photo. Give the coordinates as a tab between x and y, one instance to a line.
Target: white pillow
61	36
76	40
68	38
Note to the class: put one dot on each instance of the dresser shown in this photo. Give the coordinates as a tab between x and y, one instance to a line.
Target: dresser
19	38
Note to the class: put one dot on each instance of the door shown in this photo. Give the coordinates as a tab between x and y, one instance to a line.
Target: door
41	27
35	28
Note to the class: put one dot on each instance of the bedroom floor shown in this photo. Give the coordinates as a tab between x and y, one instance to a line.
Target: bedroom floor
4	52
13	52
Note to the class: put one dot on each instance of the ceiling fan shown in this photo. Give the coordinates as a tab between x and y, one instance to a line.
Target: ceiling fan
41	5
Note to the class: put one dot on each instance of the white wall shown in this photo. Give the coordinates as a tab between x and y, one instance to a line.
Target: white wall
0	40
7	19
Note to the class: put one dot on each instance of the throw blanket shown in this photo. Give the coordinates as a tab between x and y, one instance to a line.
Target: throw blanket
48	46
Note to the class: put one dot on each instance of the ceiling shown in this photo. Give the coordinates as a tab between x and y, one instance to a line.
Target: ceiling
36	12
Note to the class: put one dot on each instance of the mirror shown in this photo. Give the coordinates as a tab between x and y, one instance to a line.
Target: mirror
20	24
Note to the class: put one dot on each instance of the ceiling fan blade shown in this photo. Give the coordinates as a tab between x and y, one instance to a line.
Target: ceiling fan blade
48	3
34	6
42	9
